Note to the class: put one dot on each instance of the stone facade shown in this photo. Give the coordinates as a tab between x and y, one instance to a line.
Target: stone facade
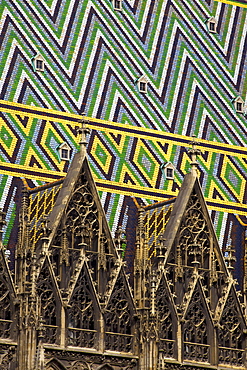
92	57
68	303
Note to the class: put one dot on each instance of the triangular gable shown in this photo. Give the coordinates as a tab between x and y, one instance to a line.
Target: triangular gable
84	273
231	332
238	99
142	78
211	19
78	222
195	303
54	364
119	317
65	192
178	210
118	273
190	200
83	311
229	314
80	194
197	325
38	56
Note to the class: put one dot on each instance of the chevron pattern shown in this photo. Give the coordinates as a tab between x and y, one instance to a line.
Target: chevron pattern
93	56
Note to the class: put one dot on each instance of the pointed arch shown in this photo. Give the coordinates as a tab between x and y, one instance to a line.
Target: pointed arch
79	223
119	318
105	367
50	307
194	230
197	328
231	338
83	312
190	230
167	319
79	365
54	364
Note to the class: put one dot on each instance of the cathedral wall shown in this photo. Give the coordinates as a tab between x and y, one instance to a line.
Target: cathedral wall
92	59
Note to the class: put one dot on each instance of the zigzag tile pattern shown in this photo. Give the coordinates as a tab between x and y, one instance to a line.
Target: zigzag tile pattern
93	57
125	159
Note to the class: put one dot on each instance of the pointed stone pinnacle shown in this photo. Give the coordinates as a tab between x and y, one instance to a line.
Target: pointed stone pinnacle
193	153
83	131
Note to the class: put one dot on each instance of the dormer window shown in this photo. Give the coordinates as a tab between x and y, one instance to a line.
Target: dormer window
38	63
117	4
168	170
142	84
64	151
239	104
212	25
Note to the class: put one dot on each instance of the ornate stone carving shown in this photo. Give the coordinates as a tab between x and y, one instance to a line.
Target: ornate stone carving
81	315
5	310
231	349
80	223
195	328
193	230
7	358
118	320
165	323
79	365
49	309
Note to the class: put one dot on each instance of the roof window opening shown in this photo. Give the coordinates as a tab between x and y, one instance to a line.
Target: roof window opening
142	84
65	154
212	25
239	107
170	173
64	151
143	87
117	4
38	63
238	104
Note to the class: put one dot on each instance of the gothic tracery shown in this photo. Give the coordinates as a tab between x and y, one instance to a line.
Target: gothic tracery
81	315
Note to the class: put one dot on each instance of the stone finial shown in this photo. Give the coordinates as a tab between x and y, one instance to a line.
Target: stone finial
161	250
161	247
229	257
46	230
83	131
120	240
193	153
